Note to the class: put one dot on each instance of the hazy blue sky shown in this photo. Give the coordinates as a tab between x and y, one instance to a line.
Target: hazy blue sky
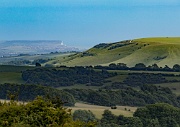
84	23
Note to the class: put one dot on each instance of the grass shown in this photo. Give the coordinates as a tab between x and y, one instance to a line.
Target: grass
10	77
162	51
10	68
58	58
98	110
12	74
101	56
168	40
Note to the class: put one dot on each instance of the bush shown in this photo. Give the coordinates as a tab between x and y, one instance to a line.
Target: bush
38	113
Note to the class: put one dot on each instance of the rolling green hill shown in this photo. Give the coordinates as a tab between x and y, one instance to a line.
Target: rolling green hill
162	51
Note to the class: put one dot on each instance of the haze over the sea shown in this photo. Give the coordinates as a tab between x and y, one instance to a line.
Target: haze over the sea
85	23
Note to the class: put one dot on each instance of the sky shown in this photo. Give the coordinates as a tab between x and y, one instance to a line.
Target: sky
85	23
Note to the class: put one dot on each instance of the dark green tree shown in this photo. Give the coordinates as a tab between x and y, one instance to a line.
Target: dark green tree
176	67
38	64
84	115
167	115
108	117
140	66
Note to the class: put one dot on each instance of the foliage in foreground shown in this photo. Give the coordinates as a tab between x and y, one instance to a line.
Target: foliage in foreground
50	113
38	113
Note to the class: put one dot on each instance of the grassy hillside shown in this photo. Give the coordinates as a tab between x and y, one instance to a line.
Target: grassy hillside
162	51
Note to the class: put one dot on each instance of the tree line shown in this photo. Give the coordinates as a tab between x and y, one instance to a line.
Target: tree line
139	79
148	94
139	66
66	77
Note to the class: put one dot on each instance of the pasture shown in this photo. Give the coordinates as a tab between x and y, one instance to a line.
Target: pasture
10	77
162	51
12	74
98	110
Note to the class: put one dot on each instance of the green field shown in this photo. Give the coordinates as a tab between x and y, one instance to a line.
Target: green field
12	74
162	51
9	68
98	110
10	77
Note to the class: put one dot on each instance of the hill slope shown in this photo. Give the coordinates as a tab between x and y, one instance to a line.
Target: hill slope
162	51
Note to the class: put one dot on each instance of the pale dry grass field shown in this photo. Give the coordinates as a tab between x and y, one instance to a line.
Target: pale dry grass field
98	110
